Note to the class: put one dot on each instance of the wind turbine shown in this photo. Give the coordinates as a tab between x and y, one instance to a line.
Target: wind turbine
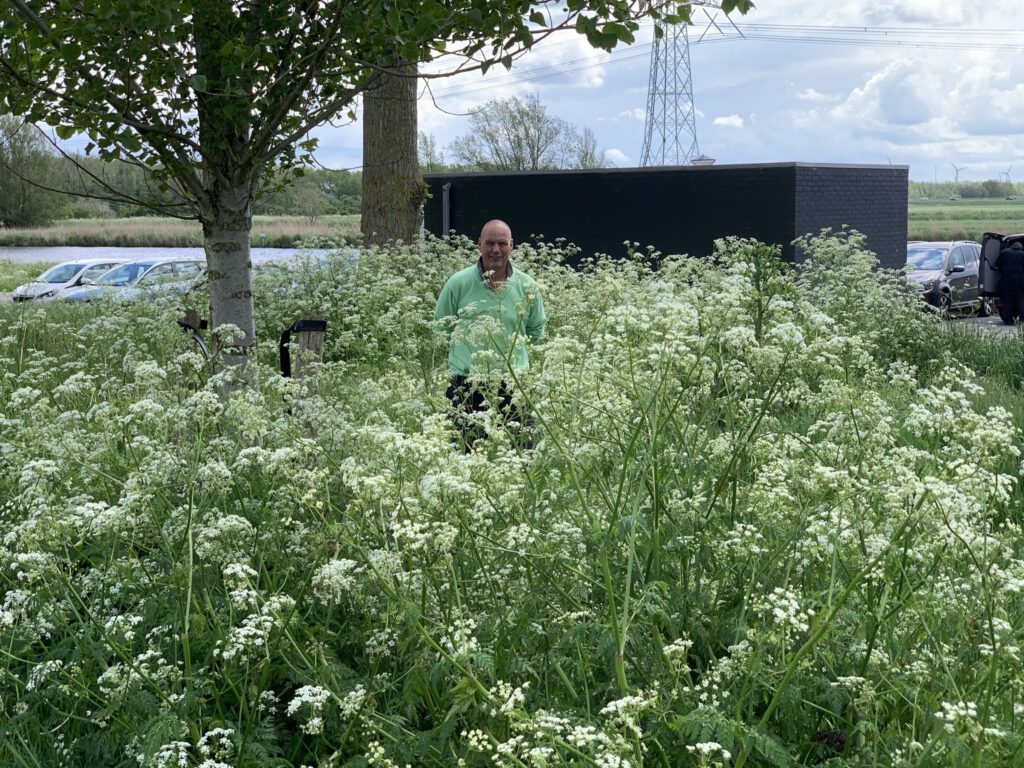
956	172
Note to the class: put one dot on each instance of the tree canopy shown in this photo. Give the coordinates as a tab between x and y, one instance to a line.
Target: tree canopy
28	172
516	134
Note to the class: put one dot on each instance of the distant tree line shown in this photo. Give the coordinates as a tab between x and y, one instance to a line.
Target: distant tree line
964	189
39	185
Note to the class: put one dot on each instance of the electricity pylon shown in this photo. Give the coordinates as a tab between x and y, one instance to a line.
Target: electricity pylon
670	131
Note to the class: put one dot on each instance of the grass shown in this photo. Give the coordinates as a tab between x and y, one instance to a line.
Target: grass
157	232
14	273
963	219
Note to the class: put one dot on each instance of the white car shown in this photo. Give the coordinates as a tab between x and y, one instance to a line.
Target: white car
141	279
67	274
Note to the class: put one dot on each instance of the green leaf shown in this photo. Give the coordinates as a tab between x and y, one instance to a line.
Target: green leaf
198	83
64	132
538	18
767	747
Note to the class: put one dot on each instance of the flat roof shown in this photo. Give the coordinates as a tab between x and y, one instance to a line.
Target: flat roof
663	168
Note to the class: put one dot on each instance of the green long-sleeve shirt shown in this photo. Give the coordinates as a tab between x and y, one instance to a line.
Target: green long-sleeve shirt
488	327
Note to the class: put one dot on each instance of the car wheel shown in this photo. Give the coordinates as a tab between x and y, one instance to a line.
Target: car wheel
945	303
985	307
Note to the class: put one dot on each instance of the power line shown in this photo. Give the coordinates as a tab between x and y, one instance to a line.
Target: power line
805	34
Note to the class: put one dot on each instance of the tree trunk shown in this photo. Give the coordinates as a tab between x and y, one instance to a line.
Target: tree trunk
393	191
227	226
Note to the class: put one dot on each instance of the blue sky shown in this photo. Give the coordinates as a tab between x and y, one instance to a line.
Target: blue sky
937	85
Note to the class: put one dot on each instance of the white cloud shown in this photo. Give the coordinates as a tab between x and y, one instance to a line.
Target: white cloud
619	158
628	115
809	94
728	121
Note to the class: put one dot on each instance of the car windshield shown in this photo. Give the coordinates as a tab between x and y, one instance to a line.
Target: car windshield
123	275
62	273
926	258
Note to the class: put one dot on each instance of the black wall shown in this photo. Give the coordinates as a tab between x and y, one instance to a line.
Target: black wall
680	209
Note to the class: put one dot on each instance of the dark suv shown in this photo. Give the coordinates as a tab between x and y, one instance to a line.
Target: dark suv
991	245
946	273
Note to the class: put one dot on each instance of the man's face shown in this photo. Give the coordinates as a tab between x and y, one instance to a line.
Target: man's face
495	245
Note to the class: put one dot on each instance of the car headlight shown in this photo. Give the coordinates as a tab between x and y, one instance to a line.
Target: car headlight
925	286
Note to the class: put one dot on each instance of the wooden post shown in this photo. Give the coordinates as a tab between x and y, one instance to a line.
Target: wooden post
311	345
310	332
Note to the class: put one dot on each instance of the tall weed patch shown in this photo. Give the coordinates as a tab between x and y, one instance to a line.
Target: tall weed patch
760	526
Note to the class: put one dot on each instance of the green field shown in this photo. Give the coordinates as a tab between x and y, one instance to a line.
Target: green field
963	219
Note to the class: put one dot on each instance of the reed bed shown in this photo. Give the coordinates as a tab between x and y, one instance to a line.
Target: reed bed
162	232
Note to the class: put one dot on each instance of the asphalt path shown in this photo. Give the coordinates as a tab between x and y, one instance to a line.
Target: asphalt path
990	324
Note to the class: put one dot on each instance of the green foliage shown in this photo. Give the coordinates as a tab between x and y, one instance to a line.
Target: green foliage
988	189
324	191
28	176
15	273
760	527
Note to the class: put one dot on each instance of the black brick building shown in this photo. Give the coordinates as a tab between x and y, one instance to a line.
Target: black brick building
680	209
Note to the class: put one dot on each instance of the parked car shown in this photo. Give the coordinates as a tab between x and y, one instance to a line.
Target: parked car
946	273
67	274
145	278
991	245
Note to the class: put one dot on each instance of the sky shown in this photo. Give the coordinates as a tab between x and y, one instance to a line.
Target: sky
936	85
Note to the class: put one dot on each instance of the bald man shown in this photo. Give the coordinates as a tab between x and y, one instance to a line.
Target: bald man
489	311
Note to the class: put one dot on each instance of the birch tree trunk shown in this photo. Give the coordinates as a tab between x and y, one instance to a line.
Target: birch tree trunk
226	228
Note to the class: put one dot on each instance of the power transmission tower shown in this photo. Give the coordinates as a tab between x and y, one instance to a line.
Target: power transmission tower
670	131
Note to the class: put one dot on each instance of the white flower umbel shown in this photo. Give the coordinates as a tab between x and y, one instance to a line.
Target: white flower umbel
335	579
307	706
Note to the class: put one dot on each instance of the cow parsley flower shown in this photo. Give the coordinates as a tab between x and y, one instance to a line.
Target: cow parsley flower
308	704
335	579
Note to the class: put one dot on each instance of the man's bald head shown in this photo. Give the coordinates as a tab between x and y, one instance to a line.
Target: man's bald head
495	245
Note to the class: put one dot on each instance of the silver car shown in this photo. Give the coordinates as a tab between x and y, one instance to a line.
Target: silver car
946	274
67	274
144	278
